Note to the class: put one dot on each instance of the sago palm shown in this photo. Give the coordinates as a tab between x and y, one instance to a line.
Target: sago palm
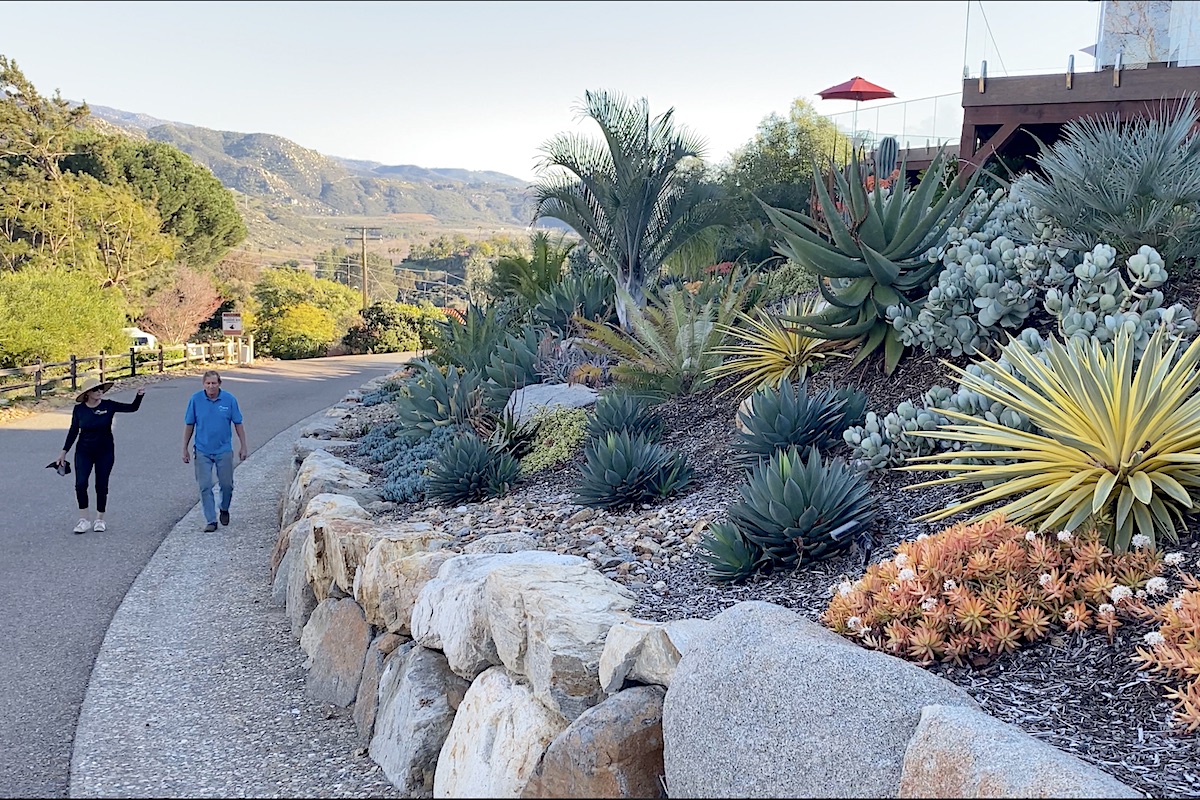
1115	444
633	197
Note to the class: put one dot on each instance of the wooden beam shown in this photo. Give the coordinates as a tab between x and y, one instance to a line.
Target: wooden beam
1150	85
972	162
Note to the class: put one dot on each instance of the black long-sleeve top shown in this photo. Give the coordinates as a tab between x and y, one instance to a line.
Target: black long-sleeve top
93	426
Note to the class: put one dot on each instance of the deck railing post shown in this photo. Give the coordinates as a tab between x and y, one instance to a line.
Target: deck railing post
161	360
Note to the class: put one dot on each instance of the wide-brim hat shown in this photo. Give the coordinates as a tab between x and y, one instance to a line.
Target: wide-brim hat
88	385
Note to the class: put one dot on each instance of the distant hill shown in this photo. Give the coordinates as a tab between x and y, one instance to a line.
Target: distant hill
290	184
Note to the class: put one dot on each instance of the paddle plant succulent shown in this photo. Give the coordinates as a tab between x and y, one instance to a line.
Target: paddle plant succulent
870	257
1113	442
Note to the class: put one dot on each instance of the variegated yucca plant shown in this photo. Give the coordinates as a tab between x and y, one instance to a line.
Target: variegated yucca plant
769	351
1115	443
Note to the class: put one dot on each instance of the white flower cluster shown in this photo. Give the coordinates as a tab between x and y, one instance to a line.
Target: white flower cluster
1064	536
1173	559
845	588
1140	540
1119	593
1045	578
1107	608
929	604
1154	638
1031	536
1156	586
907	574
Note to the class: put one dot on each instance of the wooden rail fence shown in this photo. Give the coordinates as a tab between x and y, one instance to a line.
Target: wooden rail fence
43	377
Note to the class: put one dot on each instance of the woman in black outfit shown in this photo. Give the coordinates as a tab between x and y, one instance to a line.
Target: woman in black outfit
91	422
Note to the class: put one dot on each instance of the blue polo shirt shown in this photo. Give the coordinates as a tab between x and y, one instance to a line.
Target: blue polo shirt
213	420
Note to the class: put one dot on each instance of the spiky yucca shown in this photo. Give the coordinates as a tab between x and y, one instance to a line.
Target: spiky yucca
622	470
800	509
1115	444
769	351
728	554
621	411
788	416
469	470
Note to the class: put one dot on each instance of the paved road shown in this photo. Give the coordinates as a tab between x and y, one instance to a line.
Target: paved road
58	591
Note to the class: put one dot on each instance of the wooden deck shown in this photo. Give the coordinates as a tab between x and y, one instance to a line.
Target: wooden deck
999	114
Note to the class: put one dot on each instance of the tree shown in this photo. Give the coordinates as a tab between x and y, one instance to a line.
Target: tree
35	132
174	312
192	204
389	327
304	331
280	290
630	197
776	167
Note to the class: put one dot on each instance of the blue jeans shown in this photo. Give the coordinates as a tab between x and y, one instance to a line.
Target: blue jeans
205	466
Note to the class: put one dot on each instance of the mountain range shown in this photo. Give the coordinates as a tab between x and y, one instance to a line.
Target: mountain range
293	197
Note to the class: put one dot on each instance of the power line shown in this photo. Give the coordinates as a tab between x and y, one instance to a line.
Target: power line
988	25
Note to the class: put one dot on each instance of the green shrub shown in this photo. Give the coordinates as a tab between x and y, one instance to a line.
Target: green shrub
468	470
560	433
304	331
51	315
389	327
623	470
615	412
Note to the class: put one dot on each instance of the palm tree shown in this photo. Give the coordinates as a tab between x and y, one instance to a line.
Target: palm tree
634	198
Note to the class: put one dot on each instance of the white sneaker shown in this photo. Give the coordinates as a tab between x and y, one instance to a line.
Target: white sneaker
82	526
99	526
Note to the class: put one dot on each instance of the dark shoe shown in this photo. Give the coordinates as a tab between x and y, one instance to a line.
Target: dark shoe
210	527
224	517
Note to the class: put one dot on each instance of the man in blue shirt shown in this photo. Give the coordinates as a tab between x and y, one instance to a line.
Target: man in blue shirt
210	413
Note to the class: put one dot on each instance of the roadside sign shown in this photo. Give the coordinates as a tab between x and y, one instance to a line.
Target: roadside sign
231	324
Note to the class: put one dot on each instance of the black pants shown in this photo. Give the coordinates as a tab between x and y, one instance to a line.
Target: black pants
102	458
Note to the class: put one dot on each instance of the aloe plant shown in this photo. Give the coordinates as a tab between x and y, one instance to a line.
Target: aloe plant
872	257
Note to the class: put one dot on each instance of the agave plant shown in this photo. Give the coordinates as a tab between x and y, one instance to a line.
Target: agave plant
622	470
728	554
468	344
770	351
872	259
469	470
1114	444
799	509
789	417
513	364
591	296
515	438
672	342
431	399
620	411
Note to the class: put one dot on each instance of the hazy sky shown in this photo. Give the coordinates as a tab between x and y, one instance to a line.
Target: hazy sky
483	85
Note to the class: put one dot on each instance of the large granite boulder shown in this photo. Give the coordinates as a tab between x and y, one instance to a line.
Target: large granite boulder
336	639
524	403
962	752
614	749
770	704
498	737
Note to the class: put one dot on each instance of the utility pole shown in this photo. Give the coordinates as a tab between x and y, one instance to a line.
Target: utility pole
364	235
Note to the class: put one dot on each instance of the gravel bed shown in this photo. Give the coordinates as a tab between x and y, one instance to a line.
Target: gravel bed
1080	693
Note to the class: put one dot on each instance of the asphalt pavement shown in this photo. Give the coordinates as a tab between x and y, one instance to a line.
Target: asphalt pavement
59	591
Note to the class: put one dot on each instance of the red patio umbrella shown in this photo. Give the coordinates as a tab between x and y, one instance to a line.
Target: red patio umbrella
855	89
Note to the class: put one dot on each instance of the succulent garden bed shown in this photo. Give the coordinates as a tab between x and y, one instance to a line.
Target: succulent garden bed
1078	692
1001	486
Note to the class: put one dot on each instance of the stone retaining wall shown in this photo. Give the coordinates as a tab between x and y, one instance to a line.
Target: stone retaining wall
498	670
